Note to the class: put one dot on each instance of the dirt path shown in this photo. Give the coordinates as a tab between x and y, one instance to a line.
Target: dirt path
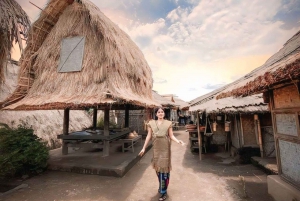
191	179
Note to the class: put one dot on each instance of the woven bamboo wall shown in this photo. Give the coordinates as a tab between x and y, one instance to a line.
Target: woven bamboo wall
136	119
219	136
268	141
248	129
267	134
286	97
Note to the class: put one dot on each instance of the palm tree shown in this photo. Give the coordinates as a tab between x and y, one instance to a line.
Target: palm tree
14	23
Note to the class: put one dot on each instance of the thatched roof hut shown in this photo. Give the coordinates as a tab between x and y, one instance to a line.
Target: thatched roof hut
14	23
231	105
282	67
113	71
181	104
163	101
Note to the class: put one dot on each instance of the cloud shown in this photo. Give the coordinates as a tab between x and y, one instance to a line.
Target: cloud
159	81
192	89
213	86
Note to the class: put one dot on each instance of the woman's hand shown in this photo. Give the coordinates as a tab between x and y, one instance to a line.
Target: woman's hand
181	142
142	152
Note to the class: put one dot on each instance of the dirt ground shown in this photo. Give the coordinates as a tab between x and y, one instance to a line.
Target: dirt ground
212	179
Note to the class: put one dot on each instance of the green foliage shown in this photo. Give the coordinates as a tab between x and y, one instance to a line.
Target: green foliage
100	124
21	152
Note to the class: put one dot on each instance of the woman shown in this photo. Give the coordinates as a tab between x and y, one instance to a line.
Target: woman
161	132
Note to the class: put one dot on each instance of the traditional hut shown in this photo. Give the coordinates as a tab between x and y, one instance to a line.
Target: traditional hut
76	58
14	26
167	104
181	112
243	125
278	79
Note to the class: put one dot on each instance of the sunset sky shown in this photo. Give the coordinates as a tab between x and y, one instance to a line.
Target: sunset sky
196	46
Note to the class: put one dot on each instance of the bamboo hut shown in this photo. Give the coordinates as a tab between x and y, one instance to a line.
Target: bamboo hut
76	58
278	79
14	25
242	124
167	104
181	109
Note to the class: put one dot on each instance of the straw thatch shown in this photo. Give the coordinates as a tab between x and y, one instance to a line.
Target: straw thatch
181	104
114	70
11	78
163	101
14	23
250	104
282	67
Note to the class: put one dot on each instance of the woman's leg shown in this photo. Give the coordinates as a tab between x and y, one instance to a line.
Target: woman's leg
163	179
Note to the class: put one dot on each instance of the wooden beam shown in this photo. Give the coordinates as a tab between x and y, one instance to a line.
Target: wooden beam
127	116
106	132
65	130
94	118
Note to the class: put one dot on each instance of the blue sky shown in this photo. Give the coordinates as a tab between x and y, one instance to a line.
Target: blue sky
194	47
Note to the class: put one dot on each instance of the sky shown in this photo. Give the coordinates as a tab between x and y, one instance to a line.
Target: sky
196	46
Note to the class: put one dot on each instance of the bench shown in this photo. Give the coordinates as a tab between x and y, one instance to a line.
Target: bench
131	142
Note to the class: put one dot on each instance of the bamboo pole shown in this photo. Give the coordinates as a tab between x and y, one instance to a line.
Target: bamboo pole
199	137
65	130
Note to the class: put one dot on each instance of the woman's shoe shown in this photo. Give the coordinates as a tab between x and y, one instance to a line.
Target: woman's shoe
163	197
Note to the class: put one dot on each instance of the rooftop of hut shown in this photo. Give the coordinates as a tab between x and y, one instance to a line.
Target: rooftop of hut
114	70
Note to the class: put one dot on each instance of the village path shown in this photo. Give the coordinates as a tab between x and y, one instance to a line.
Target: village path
208	180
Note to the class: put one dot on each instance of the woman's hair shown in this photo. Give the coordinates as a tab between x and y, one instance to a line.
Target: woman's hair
156	109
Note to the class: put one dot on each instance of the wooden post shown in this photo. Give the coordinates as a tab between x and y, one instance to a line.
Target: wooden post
259	135
237	131
65	130
95	118
106	132
199	136
126	116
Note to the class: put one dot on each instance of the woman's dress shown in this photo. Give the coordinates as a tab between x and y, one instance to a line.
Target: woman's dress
161	160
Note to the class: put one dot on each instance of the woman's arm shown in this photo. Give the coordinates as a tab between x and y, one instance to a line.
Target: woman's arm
148	138
171	135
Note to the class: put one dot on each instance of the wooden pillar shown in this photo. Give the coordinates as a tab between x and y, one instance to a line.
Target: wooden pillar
199	136
95	118
65	130
106	132
257	122
237	131
126	116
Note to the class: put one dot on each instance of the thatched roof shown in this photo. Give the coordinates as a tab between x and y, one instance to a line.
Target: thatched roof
14	22
10	77
114	70
250	104
282	67
181	104
161	100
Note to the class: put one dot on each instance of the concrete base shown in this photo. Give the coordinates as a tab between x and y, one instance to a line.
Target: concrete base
281	190
91	161
268	165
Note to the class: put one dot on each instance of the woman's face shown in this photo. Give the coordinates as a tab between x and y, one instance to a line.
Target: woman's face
160	113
